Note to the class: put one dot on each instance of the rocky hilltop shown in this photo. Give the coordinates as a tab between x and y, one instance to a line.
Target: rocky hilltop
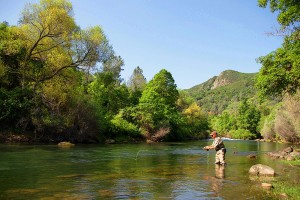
225	78
215	94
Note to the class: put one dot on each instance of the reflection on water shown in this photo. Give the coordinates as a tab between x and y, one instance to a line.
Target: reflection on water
218	182
134	171
220	171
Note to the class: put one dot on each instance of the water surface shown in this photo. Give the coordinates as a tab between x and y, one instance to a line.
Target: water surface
135	171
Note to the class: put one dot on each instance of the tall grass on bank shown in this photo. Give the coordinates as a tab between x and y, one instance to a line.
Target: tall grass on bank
290	190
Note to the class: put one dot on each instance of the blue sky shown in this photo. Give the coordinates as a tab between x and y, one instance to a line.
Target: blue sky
193	39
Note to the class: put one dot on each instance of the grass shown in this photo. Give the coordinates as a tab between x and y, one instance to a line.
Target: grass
294	162
287	190
292	191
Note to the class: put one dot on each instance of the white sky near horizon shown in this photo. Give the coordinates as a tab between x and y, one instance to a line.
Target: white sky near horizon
193	39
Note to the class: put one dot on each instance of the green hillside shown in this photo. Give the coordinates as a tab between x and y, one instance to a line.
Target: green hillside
218	92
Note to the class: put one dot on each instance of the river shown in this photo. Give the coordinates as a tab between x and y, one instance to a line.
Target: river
135	171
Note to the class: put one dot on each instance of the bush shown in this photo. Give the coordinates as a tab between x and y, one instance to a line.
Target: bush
242	134
283	122
123	127
224	122
287	120
15	106
267	130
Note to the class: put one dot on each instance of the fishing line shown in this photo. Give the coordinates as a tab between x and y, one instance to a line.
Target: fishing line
137	154
207	157
133	158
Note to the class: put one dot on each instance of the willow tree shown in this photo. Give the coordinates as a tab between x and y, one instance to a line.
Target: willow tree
49	54
54	42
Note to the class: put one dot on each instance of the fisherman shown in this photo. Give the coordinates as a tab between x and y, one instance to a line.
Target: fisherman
219	146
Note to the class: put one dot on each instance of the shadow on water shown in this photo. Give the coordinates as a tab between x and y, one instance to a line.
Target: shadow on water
134	171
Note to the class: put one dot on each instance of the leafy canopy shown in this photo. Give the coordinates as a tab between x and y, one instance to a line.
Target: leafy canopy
53	42
157	105
280	72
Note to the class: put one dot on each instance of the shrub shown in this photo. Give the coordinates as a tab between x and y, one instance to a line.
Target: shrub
242	134
267	130
287	120
123	127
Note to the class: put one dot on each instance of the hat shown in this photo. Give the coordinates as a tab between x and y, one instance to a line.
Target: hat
213	133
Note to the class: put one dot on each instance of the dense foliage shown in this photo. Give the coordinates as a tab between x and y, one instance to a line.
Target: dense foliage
280	72
242	114
45	62
239	123
60	82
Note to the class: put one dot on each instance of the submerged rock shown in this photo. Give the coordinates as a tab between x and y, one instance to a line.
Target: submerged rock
65	144
277	154
252	156
110	141
261	170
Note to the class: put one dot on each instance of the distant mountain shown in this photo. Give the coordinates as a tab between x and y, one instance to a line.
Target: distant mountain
218	92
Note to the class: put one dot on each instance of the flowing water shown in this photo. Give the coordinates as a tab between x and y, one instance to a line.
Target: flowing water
135	171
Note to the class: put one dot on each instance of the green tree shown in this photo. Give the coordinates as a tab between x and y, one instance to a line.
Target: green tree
106	89
137	81
280	72
136	84
113	65
161	88
224	123
109	96
184	100
288	11
15	104
156	111
248	117
47	57
48	42
196	120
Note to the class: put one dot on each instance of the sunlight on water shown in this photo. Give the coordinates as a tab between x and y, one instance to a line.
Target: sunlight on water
132	171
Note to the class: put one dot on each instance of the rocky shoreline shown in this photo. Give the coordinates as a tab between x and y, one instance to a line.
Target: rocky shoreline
10	137
15	138
288	153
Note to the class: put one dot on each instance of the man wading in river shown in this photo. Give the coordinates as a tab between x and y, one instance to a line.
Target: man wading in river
219	146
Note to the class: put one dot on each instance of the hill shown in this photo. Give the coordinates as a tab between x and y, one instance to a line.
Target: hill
218	92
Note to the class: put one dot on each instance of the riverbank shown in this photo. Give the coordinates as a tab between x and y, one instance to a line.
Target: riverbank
15	138
283	189
277	141
27	138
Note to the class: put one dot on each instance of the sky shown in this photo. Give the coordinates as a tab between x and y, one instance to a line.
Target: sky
192	39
